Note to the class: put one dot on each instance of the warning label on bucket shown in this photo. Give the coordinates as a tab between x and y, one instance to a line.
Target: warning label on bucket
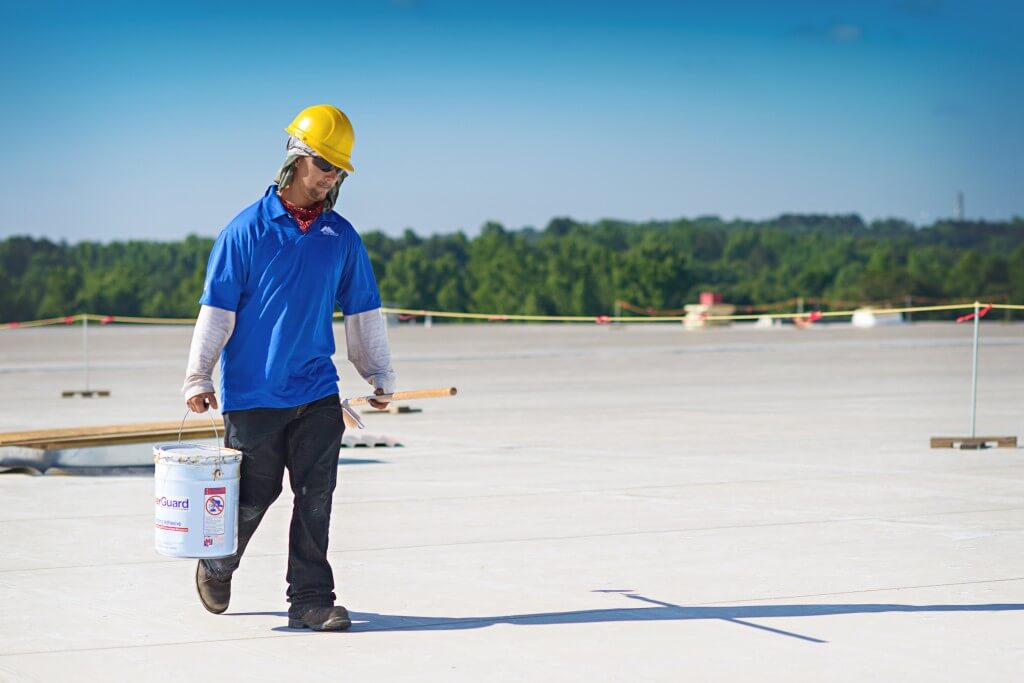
214	505
213	516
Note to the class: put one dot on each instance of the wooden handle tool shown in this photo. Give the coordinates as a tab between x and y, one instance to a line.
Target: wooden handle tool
440	392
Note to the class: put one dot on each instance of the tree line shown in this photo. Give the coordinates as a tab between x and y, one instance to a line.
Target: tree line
567	268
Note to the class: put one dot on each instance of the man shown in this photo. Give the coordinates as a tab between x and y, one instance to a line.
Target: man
275	275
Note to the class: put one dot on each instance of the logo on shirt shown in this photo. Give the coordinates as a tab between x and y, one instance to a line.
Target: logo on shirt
326	230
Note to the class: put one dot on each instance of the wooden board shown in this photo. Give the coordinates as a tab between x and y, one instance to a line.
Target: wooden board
974	442
84	437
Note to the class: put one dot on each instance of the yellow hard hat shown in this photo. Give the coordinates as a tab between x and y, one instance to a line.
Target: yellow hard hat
328	131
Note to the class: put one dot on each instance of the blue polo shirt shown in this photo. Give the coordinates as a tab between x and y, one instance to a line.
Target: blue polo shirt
283	286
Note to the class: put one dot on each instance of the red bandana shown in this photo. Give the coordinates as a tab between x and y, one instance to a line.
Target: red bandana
304	217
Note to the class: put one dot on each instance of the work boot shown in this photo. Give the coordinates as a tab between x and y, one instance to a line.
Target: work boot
322	619
214	593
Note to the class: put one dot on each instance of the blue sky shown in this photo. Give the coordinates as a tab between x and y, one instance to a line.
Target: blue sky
156	120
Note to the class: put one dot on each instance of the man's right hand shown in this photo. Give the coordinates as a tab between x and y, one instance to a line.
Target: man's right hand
200	403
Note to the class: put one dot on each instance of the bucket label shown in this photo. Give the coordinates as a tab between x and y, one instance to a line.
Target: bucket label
213	518
171	503
171	515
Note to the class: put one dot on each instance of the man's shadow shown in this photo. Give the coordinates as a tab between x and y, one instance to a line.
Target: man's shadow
367	622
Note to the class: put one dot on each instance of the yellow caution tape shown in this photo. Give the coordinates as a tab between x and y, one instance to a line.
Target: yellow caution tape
510	317
668	318
142	321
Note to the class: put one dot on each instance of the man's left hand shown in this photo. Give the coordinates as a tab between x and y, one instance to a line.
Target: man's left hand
379	405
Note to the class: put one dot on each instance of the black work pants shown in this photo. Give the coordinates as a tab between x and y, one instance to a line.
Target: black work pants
306	440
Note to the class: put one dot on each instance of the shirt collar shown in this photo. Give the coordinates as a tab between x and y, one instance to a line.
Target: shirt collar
272	206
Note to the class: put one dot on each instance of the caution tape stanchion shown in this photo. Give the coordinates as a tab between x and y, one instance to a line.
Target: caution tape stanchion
974	442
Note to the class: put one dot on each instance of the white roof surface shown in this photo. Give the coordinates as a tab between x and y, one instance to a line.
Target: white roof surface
597	504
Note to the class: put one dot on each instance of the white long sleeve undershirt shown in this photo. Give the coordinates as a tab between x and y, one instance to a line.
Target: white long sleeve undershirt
213	329
365	336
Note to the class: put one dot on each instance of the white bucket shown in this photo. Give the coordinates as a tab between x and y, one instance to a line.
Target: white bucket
196	500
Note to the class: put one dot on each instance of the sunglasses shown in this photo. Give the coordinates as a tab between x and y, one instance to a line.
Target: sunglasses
327	166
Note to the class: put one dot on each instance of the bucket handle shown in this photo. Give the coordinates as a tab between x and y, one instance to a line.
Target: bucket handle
212	422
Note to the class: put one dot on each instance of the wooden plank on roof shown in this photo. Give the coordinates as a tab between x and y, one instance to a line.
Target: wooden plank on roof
973	442
105	435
